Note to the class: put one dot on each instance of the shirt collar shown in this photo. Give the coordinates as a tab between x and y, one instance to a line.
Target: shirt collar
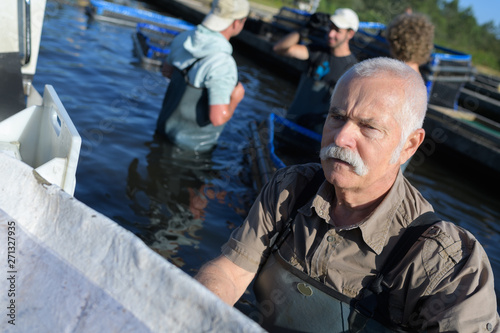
374	228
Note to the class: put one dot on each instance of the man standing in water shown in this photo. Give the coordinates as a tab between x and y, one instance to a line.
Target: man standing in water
204	90
326	64
350	245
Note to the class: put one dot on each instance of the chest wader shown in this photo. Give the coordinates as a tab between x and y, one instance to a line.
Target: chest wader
184	116
291	301
310	104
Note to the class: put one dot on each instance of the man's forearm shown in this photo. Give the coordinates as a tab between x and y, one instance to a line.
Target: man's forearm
289	46
212	277
283	45
225	279
221	113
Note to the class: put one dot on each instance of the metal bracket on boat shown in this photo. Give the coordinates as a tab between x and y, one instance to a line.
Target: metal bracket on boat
27	31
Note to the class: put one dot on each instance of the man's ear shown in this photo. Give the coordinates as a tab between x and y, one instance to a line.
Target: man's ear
351	33
411	145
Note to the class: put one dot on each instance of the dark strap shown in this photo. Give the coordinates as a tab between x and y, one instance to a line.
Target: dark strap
375	296
173	96
411	234
305	195
186	70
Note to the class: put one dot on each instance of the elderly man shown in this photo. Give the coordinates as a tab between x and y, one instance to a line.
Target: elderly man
333	260
326	64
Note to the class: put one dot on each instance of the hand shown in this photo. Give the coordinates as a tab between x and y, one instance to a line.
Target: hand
167	70
237	94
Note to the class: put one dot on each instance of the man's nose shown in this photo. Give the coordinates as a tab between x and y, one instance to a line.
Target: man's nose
345	135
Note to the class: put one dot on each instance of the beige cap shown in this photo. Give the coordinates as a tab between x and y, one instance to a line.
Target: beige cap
345	18
224	12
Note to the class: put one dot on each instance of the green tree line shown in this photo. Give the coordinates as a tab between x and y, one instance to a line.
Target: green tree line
455	27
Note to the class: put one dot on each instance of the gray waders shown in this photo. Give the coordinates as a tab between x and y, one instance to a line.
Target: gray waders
291	301
184	116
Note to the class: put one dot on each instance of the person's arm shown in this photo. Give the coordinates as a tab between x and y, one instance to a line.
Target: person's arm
225	279
465	301
221	113
459	292
229	275
289	46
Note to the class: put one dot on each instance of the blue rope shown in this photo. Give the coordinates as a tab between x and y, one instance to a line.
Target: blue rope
278	163
297	128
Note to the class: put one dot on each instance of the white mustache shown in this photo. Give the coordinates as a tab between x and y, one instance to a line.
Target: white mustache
346	155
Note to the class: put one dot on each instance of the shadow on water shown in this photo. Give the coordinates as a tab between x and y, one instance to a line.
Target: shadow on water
171	191
185	202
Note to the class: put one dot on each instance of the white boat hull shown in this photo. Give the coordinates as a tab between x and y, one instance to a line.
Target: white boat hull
71	269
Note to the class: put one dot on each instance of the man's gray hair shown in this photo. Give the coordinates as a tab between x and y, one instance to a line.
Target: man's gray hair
412	113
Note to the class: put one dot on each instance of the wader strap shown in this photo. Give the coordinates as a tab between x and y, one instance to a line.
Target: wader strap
186	70
305	195
202	107
375	296
173	95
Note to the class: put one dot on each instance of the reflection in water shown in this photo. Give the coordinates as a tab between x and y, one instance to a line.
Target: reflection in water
173	192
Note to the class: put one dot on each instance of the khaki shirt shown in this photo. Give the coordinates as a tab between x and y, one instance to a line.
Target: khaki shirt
444	284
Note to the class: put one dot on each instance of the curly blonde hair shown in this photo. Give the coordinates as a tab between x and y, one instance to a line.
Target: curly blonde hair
411	38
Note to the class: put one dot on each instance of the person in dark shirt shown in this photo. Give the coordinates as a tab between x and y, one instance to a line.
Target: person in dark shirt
326	64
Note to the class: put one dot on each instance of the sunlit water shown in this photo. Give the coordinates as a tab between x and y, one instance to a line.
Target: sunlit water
181	205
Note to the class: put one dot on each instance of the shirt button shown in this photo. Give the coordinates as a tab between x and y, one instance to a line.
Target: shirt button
320	213
489	327
329	238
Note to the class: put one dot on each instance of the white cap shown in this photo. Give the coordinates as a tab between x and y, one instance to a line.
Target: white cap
345	18
224	12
